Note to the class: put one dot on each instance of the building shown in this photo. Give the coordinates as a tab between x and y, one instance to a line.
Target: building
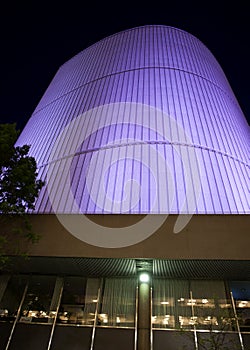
145	214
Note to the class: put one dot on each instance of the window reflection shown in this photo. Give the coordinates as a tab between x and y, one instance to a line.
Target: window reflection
212	306
79	299
241	295
171	307
243	313
117	303
12	295
37	302
184	304
111	302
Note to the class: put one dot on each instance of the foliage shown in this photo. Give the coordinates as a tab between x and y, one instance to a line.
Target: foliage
217	336
19	186
211	340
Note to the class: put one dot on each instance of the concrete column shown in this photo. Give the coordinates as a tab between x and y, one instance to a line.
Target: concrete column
144	317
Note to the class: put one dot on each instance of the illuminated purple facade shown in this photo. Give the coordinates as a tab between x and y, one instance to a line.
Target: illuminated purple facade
143	121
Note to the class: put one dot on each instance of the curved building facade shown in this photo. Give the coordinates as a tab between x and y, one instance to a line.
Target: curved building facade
143	121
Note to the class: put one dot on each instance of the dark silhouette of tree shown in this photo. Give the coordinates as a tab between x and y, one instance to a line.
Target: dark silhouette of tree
216	336
19	188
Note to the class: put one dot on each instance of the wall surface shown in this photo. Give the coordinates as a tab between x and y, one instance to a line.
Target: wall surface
143	121
205	237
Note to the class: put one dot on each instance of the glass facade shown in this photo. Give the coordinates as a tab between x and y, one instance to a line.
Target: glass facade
78	303
38	301
90	311
12	290
181	304
241	294
117	307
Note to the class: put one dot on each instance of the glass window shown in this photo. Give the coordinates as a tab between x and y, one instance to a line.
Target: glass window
241	295
12	297
117	304
171	306
38	300
212	305
183	304
79	300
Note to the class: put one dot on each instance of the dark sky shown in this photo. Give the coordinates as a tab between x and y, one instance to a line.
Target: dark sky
36	38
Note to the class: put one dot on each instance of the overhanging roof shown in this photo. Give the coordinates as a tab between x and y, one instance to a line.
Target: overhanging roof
106	267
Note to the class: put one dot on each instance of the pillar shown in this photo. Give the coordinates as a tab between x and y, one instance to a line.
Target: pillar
144	316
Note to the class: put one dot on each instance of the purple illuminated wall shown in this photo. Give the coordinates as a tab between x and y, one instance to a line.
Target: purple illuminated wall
152	127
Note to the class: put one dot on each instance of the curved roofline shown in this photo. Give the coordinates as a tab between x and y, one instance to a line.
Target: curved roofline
144	26
134	28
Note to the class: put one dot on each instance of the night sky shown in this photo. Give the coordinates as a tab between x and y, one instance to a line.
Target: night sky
36	38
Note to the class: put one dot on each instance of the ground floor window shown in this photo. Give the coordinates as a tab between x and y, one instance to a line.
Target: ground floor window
241	294
56	307
180	304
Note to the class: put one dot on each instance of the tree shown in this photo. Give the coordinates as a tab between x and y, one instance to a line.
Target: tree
212	339
19	187
218	331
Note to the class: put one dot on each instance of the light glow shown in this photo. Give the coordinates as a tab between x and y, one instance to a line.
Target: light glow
204	301
144	277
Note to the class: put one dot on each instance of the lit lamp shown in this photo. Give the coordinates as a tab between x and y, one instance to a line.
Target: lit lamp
144	277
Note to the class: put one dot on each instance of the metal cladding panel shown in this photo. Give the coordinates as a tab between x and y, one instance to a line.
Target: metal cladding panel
143	121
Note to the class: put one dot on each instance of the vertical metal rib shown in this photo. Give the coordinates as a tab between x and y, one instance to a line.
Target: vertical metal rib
195	332
96	316
59	281
17	316
136	317
151	311
176	75
237	322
